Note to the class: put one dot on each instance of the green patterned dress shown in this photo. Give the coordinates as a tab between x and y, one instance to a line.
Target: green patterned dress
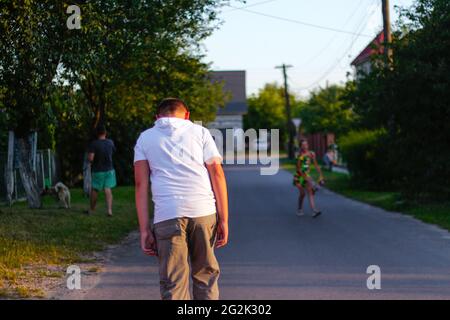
305	167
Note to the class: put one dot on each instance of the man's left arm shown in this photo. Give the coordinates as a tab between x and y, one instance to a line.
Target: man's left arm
213	162
219	186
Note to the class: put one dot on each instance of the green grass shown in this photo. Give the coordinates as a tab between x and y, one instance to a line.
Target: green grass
434	213
31	241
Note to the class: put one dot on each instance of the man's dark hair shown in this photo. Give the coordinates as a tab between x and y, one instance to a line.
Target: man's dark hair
100	130
171	106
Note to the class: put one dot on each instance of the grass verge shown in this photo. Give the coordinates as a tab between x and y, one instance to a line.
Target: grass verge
434	213
37	245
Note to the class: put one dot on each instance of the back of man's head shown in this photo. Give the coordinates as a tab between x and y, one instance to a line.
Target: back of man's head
172	107
100	130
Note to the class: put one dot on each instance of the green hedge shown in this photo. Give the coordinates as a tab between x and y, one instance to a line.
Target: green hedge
364	153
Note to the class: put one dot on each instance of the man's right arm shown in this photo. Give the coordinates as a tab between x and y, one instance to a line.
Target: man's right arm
141	178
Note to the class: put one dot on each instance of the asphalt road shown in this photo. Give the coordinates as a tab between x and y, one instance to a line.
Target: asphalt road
273	254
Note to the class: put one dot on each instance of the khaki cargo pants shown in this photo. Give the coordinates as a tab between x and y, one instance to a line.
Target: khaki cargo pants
184	240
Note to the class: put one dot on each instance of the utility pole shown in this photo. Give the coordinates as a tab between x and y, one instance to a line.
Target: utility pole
387	30
289	127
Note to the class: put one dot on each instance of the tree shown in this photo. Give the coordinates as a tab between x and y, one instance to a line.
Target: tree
267	110
31	42
129	55
120	64
146	43
327	111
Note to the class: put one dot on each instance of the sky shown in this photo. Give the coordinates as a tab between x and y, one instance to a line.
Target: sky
258	43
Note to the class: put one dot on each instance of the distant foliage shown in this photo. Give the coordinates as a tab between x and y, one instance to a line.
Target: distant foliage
327	111
267	110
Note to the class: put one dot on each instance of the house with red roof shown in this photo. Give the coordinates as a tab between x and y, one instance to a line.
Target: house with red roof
363	62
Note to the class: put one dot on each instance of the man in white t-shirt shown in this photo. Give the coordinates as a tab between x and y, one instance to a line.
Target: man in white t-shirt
189	192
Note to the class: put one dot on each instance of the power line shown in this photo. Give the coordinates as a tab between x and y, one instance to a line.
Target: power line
299	22
356	34
248	6
330	70
314	57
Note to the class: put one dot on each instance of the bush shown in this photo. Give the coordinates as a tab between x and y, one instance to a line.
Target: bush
366	160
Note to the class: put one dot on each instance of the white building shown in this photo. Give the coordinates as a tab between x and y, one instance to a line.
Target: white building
231	116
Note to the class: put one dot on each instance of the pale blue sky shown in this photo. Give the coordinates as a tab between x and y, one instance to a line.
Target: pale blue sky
258	43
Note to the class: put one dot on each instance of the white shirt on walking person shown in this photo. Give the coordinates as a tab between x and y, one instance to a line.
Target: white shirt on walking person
176	150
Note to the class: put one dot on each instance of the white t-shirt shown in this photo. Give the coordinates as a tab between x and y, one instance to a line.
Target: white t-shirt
176	150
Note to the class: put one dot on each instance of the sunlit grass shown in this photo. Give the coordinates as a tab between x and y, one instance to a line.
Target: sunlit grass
33	240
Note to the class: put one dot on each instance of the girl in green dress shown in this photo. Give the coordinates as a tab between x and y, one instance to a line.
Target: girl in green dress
302	179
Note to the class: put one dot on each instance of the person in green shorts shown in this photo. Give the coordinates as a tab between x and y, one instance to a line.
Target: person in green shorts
100	154
302	179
